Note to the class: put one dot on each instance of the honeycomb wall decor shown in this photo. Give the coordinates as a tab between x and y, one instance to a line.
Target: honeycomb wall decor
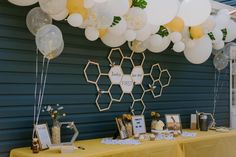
146	82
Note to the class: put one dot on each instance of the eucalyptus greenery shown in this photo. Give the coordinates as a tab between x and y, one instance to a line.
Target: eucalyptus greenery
163	32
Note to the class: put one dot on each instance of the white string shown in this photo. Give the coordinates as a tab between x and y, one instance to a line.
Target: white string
42	91
35	90
41	83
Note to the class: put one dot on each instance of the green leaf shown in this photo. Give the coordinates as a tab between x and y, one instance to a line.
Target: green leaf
211	35
225	32
163	32
116	20
139	3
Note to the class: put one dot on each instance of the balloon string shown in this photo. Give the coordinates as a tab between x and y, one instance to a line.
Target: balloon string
216	91
40	90
35	89
43	89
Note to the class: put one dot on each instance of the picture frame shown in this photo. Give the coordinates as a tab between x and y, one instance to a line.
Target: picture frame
173	122
139	125
121	128
43	135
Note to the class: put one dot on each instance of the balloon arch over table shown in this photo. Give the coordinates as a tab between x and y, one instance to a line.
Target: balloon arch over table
144	24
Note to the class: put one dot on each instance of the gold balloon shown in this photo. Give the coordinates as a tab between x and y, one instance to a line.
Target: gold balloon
102	32
77	6
196	32
176	25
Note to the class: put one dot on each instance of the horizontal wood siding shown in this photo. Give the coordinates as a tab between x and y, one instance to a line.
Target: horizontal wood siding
191	86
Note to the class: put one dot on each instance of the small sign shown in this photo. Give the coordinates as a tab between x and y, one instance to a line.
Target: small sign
139	126
127	84
137	74
115	74
43	136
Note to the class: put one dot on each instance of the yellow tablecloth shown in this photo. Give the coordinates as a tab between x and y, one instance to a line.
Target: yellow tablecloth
206	144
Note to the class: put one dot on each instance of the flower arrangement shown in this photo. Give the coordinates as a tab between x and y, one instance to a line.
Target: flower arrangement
55	112
155	115
127	117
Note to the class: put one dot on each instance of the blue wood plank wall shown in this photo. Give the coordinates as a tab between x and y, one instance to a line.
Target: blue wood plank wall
191	87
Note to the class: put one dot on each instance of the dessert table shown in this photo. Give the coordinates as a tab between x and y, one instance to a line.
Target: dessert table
205	144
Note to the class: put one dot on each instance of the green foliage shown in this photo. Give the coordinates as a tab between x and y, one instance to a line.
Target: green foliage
116	20
139	3
225	32
163	32
211	35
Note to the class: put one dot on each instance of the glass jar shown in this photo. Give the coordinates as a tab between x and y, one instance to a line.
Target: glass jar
56	132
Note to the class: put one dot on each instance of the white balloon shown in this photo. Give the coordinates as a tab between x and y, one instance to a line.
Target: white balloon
23	2
91	33
100	1
222	19
218	35
53	7
228	51
154	29
143	33
113	40
136	18
231	31
119	28
179	46
175	37
159	47
118	7
61	16
200	51
137	46
160	12
89	3
194	12
75	19
36	19
49	40
130	35
219	45
154	40
209	24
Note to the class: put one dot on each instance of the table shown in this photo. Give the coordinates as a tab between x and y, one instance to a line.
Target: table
206	144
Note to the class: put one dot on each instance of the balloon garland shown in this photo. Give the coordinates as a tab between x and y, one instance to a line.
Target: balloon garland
145	24
141	22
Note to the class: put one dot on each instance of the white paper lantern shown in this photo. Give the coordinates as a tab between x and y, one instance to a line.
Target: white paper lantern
130	35
160	12
113	40
75	19
143	33
91	33
175	37
61	16
199	51
194	12
53	7
119	28
23	2
179	46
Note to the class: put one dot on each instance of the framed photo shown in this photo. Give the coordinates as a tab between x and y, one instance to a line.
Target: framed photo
43	136
173	122
121	127
139	126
